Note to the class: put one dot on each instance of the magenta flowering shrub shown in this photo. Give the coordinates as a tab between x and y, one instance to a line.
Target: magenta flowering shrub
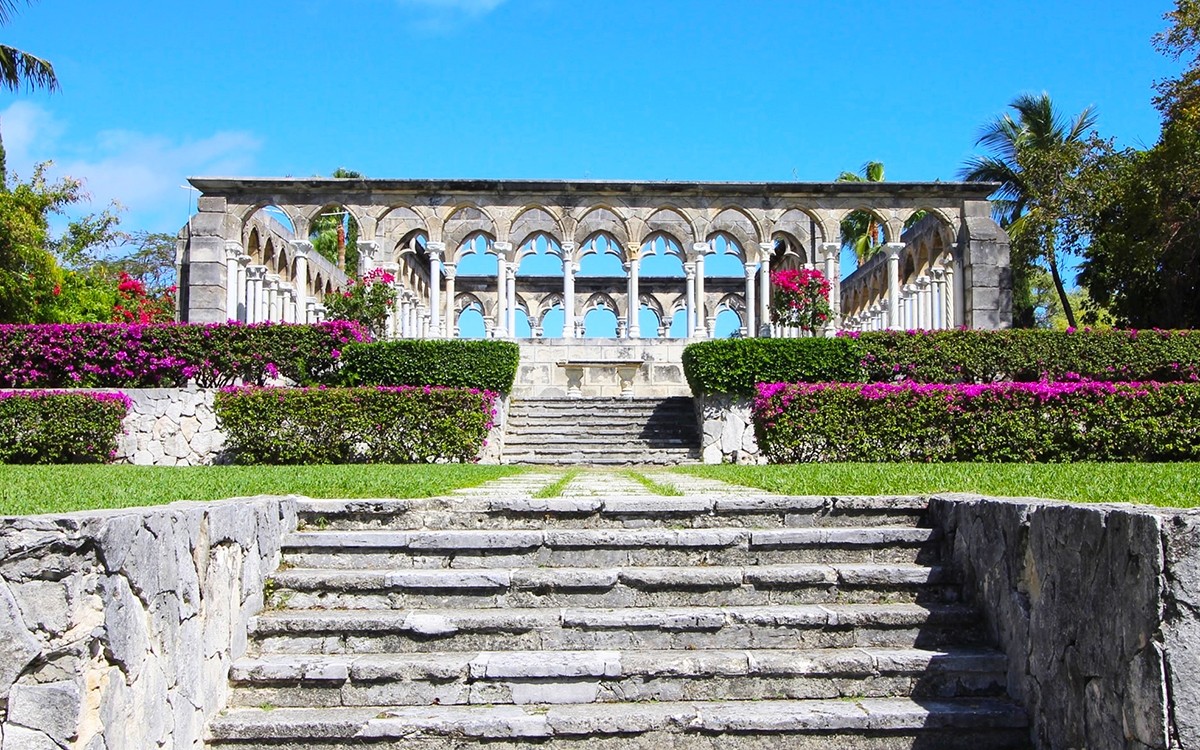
801	298
382	424
1044	422
56	427
168	355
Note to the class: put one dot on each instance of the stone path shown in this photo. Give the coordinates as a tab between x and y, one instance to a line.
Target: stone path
721	618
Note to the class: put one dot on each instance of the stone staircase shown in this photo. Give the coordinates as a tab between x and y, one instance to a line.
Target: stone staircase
601	431
736	621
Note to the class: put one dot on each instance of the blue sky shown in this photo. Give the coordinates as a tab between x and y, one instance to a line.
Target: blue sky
155	90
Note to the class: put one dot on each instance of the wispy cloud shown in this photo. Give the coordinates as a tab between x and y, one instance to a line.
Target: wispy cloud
141	171
444	15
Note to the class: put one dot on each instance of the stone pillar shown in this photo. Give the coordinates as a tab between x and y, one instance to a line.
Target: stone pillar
366	256
700	249
203	267
764	289
924	304
511	289
501	327
569	269
908	307
232	251
893	250
953	314
750	328
938	301
451	322
287	302
243	286
255	275
300	251
833	272
435	250
320	314
689	273
310	311
272	288
633	328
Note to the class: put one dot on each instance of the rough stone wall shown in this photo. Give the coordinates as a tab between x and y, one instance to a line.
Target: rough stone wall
1098	608
726	430
171	427
119	626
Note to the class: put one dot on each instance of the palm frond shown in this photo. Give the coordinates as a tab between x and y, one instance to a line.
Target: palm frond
18	68
8	8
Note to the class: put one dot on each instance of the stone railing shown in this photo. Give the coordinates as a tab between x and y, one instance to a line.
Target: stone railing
120	626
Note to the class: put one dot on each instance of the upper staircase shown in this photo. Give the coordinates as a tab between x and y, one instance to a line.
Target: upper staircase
601	431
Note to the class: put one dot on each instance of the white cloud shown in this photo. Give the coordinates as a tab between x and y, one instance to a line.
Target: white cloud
444	15
140	171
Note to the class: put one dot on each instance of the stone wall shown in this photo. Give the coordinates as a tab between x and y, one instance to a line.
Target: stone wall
119	626
1098	608
661	374
726	430
171	427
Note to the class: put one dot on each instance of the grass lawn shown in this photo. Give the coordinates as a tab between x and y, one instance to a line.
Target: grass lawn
59	489
1175	484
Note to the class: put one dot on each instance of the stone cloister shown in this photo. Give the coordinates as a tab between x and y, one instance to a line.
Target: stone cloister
517	253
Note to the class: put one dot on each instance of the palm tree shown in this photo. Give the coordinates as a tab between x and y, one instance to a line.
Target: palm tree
20	69
861	231
1025	204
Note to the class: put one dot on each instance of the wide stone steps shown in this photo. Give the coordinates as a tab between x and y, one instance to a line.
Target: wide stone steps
975	724
558	677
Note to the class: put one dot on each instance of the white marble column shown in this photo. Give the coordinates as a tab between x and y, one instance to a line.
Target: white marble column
255	275
287	296
925	304
300	251
366	256
633	329
232	251
751	329
435	250
764	288
511	291
451	321
569	269
272	288
938	306
953	314
833	272
700	249
893	250
501	326
243	288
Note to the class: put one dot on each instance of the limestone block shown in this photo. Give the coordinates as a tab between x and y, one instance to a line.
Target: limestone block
731	433
174	410
188	427
20	738
44	604
125	626
18	647
1181	626
52	709
712	454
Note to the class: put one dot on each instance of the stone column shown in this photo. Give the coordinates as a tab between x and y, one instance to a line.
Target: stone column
501	327
232	251
633	251
271	285
366	256
254	293
925	304
952	284
300	251
833	272
689	273
893	250
764	289
435	250
938	302
750	322
511	290
700	249
243	309
310	311
287	300
320	314
451	322
569	269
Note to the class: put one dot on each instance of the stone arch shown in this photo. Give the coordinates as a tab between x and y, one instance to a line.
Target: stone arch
529	247
602	219
671	221
470	245
788	251
465	220
736	222
400	220
535	219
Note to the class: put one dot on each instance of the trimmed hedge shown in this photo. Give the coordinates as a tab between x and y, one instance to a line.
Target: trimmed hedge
960	356
737	365
110	355
1081	421
489	365
53	427
354	425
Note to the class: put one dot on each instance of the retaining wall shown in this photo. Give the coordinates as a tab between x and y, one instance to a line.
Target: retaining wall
726	430
119	626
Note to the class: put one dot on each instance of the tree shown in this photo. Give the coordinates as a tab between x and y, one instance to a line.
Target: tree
861	230
1038	160
21	69
1144	258
335	234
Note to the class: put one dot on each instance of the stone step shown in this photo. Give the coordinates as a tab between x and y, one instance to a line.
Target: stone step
714	586
607	460
558	677
606	435
608	547
977	724
492	510
640	628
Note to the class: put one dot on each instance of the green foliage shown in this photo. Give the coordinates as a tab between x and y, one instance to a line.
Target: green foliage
30	278
45	427
1005	422
354	425
737	365
367	302
490	365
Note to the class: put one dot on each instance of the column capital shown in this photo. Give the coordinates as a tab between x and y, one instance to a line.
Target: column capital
368	247
502	247
937	273
450	270
510	271
923	281
633	250
894	249
751	269
568	249
300	248
435	247
256	273
233	250
700	249
272	281
244	259
689	270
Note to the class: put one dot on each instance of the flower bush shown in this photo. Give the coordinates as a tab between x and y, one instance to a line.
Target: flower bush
355	425
490	365
1061	421
135	305
169	355
801	298
54	427
366	302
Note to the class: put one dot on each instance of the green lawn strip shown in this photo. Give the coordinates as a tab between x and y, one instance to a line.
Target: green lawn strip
1165	484
58	489
555	488
658	488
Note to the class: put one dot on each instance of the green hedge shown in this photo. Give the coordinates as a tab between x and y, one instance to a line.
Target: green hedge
737	365
354	425
960	356
1027	422
52	427
490	365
